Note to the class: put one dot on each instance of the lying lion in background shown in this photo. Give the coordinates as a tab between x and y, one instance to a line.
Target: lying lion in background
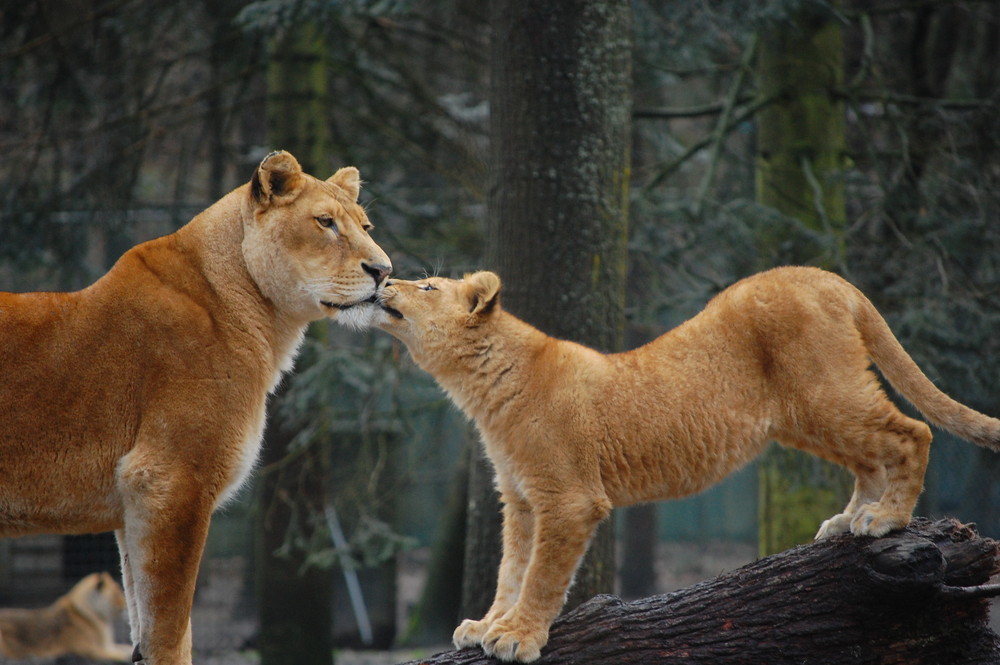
80	623
137	404
571	432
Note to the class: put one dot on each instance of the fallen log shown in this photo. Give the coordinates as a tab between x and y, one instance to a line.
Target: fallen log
918	596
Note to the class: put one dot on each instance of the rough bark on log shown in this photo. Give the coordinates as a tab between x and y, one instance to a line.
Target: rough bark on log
918	596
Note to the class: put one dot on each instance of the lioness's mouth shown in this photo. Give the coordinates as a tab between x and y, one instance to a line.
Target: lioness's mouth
342	306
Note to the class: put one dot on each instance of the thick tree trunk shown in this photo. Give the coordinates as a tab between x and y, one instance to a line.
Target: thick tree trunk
441	601
917	596
294	607
483	544
560	105
801	144
637	571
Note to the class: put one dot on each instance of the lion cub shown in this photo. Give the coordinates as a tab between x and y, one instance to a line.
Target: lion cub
571	432
79	623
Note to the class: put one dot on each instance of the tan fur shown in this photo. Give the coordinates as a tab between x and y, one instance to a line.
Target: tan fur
783	355
137	404
79	623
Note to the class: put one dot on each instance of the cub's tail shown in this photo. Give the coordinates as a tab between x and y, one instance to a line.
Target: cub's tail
898	367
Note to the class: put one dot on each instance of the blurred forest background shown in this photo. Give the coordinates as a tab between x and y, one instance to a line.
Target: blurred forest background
121	119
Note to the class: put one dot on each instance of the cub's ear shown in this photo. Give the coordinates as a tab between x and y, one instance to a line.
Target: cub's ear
483	291
349	180
279	175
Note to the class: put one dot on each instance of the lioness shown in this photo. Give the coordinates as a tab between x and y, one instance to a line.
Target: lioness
79	623
137	404
572	432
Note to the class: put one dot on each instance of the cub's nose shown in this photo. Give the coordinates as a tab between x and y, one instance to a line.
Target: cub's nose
378	271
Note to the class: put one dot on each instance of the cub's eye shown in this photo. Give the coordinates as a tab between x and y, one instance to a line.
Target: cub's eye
326	222
428	287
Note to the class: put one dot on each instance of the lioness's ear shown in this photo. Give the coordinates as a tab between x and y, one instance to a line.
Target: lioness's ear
279	174
483	291
349	180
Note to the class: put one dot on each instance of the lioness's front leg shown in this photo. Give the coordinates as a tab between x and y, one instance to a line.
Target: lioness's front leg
164	565
166	524
518	526
564	526
128	586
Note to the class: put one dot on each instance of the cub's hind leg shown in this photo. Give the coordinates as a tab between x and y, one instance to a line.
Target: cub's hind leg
869	485
888	453
903	453
854	424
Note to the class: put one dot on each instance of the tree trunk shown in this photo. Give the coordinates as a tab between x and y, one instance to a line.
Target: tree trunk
560	105
639	538
482	538
800	161
294	600
297	99
294	608
916	596
560	123
938	35
440	605
801	144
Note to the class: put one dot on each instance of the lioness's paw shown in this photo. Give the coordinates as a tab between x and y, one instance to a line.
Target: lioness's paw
469	634
871	522
506	643
834	526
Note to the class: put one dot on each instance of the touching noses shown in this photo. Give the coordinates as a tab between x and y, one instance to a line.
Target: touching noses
378	271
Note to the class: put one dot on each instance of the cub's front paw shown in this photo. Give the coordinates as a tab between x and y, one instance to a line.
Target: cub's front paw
506	641
469	634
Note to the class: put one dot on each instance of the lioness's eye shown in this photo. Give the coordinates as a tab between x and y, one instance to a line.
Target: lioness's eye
428	287
326	222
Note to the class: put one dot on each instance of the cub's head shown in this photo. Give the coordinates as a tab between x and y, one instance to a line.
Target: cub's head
432	313
98	593
306	241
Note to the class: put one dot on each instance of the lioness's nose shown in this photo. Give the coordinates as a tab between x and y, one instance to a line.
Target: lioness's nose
378	271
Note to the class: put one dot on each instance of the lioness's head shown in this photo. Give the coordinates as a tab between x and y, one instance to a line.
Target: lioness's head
427	313
306	241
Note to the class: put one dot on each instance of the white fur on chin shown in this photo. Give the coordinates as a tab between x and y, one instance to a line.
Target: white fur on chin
360	317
